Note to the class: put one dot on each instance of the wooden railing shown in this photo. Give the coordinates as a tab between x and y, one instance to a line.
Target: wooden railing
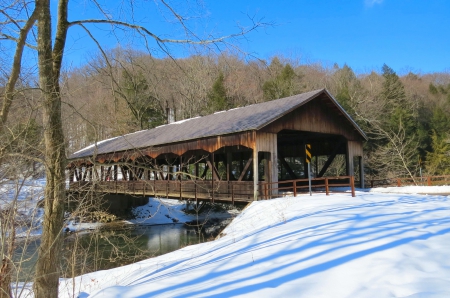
407	181
182	189
293	187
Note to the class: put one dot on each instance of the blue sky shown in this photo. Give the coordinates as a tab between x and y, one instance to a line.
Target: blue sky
407	35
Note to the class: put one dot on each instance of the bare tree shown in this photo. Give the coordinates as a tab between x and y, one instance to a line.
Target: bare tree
50	47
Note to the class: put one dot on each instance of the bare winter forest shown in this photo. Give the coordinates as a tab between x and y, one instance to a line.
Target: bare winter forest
406	117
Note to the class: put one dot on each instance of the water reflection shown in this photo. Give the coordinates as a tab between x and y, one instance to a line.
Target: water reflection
109	248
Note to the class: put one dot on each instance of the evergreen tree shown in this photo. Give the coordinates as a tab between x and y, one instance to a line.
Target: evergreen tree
283	84
217	96
398	110
438	160
440	122
346	83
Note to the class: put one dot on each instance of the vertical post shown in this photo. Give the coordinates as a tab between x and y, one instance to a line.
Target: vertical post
255	173
102	173
195	193
327	190
196	169
309	178
213	174
352	185
229	162
308	156
89	171
429	181
399	183
71	175
181	176
232	194
295	187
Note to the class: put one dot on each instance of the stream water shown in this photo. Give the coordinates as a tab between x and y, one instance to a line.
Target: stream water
107	248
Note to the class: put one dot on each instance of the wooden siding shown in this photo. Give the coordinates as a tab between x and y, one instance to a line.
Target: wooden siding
268	142
316	116
212	144
354	148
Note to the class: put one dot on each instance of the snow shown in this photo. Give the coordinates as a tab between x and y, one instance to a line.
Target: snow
444	189
372	245
166	211
94	145
24	194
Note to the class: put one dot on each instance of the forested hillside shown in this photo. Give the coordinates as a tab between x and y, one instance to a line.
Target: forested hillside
406	116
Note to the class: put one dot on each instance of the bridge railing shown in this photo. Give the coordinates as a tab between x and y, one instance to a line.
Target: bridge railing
293	187
407	181
183	189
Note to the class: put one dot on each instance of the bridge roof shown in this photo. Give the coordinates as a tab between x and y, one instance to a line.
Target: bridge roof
252	117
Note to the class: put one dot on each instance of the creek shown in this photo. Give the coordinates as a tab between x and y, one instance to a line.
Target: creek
108	247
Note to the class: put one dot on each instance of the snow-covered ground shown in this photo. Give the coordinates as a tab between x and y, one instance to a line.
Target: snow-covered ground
373	245
443	189
167	211
23	197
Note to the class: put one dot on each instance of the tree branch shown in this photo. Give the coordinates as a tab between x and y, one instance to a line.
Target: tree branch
16	69
145	31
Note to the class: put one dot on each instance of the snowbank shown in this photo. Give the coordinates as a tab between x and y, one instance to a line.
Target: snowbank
166	211
444	189
373	245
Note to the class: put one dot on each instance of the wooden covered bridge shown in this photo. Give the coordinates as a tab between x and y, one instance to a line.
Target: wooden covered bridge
242	154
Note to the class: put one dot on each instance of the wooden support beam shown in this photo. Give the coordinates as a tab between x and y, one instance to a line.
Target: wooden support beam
78	174
229	160
197	172
287	167
212	180
330	159
210	163
71	175
108	174
205	171
124	173
96	176
255	173
245	169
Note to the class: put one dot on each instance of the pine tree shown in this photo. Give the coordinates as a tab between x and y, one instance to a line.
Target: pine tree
438	160
396	105
217	96
346	83
283	84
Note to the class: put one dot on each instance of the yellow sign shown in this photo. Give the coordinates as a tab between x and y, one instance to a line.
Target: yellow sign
308	152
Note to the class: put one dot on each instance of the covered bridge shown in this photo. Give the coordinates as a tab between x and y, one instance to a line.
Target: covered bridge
240	154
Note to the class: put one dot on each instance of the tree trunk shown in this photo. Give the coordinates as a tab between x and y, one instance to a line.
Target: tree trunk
6	265
48	263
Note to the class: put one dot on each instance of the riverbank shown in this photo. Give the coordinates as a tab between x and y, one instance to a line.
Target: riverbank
25	196
373	245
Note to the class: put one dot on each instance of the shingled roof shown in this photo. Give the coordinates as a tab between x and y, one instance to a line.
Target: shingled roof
252	117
